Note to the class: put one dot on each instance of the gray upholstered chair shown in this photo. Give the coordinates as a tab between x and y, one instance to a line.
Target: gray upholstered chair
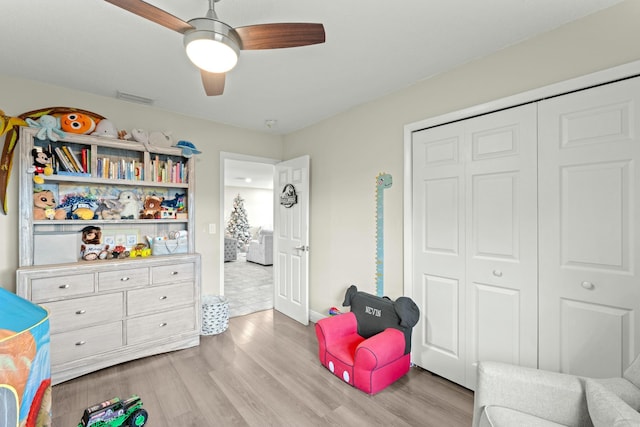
261	251
230	249
509	395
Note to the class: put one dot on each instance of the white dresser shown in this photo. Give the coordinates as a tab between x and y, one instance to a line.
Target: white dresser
108	312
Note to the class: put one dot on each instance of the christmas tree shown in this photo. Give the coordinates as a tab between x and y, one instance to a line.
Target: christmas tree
238	225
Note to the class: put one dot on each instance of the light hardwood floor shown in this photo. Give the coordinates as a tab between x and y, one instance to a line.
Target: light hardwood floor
262	371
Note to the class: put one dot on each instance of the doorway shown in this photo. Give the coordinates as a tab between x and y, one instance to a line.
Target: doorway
246	219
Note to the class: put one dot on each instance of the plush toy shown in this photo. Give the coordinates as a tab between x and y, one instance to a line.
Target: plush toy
44	206
151	207
161	139
175	203
84	210
77	123
124	135
188	149
142	136
106	128
41	164
109	209
92	247
130	205
49	127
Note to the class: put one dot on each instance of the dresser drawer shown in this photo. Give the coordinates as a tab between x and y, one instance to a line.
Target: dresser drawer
161	325
172	273
59	287
119	279
73	345
81	312
159	298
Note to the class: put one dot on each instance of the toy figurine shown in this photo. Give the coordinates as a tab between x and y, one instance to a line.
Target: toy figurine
92	248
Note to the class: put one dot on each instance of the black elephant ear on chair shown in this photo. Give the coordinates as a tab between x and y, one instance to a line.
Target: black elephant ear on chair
351	292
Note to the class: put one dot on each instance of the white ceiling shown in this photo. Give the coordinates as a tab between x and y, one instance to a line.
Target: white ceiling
373	48
239	173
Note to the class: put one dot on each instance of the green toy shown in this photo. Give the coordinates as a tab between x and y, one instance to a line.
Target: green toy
383	181
115	413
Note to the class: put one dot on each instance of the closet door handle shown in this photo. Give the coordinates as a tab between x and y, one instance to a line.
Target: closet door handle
588	285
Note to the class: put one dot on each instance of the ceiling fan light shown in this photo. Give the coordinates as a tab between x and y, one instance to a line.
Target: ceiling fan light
215	56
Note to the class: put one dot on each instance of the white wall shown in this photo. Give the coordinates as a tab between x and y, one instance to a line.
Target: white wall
258	203
348	150
19	96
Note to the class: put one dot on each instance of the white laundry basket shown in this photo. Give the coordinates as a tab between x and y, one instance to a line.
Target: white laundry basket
215	314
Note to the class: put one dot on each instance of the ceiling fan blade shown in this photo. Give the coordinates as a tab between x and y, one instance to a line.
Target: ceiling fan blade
152	13
213	82
277	36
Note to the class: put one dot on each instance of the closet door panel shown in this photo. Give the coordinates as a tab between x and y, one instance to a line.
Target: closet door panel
501	216
589	205
475	258
439	251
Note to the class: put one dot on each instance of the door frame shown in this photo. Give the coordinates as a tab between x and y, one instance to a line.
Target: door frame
224	155
625	71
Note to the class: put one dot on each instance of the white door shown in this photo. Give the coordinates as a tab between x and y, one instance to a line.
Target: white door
291	239
589	187
475	253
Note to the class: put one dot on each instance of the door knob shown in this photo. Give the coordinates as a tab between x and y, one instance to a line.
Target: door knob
302	248
588	285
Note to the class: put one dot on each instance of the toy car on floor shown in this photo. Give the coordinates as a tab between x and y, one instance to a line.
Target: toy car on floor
115	413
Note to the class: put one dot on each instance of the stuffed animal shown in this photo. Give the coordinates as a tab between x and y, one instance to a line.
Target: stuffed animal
152	205
44	206
49	127
161	139
109	209
130	205
142	136
41	164
84	210
92	247
77	123
106	128
188	149
177	202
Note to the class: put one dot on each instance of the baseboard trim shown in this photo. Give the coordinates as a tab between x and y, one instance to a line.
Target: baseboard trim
314	316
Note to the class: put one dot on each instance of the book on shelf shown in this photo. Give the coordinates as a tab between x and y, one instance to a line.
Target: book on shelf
85	158
76	162
63	161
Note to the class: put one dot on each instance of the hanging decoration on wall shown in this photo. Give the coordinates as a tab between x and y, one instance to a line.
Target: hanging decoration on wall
288	198
10	125
383	181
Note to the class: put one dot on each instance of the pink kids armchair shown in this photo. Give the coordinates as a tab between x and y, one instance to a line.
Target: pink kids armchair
370	346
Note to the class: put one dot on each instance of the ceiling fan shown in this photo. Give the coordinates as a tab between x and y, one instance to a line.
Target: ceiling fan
214	46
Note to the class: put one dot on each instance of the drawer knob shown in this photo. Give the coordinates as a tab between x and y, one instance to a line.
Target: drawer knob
64	286
124	279
497	273
164	297
163	324
81	311
174	273
79	343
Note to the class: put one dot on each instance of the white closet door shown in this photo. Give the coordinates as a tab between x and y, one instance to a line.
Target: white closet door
439	279
589	234
502	251
475	254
